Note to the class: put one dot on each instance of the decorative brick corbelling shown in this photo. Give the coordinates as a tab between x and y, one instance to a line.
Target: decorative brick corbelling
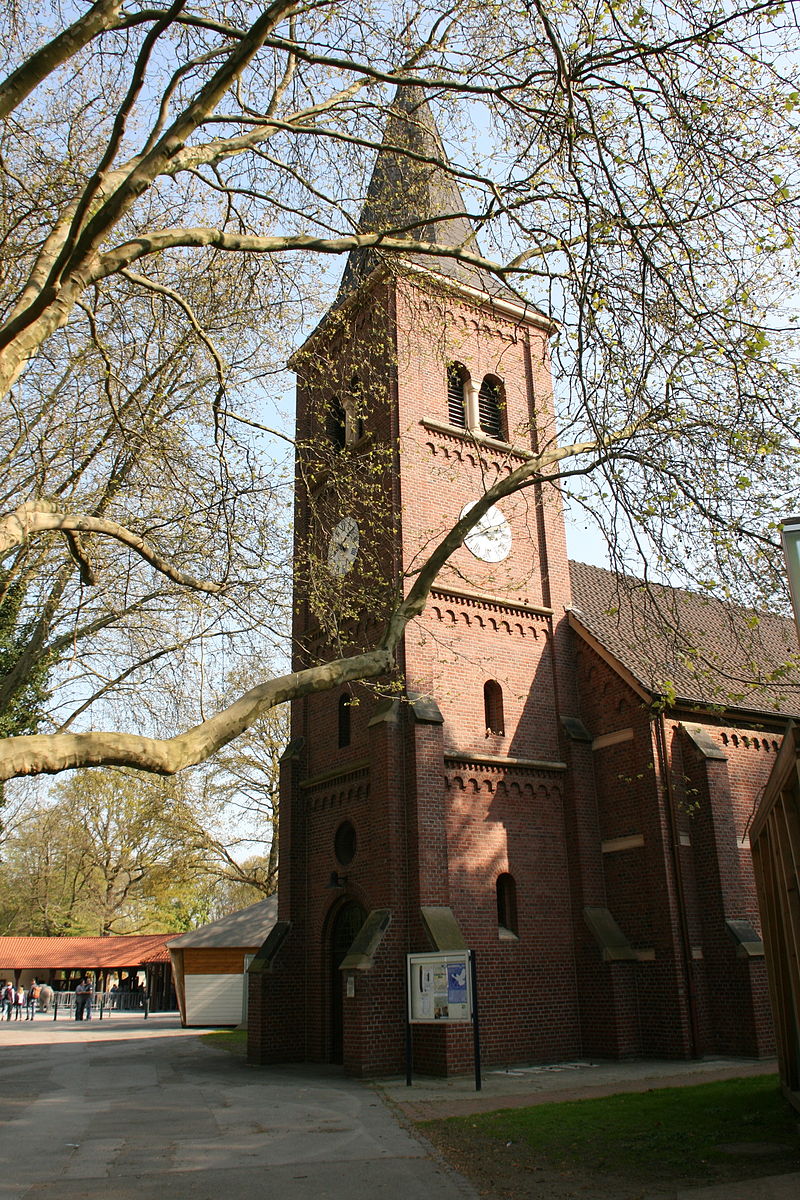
502	765
465	454
470	437
476	601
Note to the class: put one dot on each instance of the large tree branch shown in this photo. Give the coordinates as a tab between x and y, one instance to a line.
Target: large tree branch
44	516
80	248
50	753
167	239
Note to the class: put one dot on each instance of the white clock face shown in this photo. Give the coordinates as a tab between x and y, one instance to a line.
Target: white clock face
490	540
343	546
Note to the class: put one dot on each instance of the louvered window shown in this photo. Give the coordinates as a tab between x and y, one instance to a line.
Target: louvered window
336	423
356	411
490	402
456	413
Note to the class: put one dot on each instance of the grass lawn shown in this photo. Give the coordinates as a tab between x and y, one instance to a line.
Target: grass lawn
740	1128
232	1040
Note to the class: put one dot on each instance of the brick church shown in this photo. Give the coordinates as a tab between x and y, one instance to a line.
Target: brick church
554	780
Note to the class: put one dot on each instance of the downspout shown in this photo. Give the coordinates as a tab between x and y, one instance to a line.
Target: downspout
686	947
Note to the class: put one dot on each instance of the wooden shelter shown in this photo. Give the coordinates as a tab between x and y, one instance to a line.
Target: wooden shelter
775	843
120	958
210	964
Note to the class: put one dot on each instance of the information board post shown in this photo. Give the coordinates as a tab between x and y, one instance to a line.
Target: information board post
409	1043
476	1033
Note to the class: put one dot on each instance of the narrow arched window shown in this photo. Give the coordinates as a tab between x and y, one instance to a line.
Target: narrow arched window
491	403
355	412
336	423
507	904
456	411
493	707
344	720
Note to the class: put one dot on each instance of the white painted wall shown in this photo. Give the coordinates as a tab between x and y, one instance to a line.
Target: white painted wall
213	999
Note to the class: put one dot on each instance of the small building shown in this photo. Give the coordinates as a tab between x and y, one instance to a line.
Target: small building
209	965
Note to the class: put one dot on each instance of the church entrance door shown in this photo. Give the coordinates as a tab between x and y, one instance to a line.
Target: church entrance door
346	924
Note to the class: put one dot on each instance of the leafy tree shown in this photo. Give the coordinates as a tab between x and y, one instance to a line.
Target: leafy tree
169	172
104	857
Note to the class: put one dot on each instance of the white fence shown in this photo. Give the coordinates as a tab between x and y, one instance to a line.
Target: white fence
103	1004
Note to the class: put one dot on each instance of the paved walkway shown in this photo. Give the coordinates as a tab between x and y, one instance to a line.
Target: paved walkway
520	1087
127	1109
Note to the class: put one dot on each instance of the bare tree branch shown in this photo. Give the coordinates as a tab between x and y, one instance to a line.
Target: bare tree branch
102	16
43	516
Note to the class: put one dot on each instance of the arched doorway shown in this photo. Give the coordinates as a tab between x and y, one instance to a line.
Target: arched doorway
346	924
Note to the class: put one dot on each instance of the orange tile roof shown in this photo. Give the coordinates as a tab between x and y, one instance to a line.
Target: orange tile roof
41	953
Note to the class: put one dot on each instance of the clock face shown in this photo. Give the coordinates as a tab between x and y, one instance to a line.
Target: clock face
343	546
490	540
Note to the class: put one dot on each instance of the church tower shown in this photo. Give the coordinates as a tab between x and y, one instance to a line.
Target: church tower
430	811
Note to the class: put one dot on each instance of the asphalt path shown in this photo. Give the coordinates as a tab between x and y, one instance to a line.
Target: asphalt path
125	1108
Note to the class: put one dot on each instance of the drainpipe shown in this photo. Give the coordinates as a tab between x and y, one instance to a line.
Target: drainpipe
686	947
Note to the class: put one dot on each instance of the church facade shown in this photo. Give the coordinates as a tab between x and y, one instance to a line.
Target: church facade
526	787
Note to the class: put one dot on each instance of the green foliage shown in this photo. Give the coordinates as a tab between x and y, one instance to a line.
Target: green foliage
25	708
104	856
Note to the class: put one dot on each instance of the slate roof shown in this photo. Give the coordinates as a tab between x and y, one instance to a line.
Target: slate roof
79	953
407	191
674	640
247	927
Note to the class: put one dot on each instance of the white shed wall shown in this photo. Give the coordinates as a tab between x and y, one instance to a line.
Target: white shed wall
213	999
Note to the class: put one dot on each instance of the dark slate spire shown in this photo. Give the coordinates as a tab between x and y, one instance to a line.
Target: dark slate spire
407	194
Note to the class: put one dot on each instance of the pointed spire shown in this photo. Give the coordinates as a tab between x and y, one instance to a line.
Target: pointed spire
408	191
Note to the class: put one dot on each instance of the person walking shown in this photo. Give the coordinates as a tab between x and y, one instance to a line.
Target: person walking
33	1001
45	997
8	998
83	1000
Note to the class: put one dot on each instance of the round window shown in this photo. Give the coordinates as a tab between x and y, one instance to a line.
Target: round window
344	844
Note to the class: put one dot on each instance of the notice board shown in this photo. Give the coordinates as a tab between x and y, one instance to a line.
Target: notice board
439	987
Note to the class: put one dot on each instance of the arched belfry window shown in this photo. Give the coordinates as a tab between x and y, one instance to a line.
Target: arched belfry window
507	904
355	412
336	423
491	403
345	703
456	409
493	707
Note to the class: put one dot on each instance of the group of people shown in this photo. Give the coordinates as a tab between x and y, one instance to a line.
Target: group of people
15	999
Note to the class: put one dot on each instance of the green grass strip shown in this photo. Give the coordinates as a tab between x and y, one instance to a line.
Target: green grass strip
232	1040
671	1133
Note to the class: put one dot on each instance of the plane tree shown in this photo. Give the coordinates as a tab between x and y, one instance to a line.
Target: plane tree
172	179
